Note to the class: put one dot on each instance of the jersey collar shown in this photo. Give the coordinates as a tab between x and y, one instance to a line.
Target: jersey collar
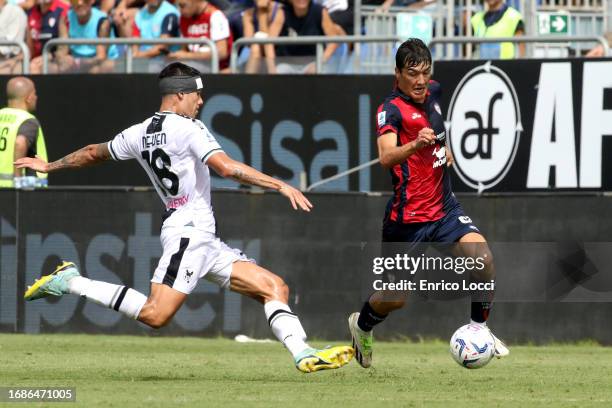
174	113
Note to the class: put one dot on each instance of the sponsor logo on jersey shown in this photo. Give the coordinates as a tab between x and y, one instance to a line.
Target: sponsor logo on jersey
382	118
199	30
416	115
484	126
440	155
177	202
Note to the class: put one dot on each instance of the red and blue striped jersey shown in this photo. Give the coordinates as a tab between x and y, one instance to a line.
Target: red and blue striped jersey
421	184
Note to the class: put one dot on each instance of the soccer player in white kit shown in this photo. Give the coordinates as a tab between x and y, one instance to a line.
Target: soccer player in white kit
176	150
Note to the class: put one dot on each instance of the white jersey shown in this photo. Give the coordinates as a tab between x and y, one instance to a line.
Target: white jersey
173	150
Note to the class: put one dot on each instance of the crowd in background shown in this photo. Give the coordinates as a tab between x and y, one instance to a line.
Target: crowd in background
221	21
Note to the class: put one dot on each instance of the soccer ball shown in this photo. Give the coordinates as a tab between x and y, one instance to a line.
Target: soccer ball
472	346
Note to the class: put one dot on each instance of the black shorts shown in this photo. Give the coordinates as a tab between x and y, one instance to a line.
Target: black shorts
416	238
450	228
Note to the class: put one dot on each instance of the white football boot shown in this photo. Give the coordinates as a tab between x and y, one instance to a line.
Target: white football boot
501	350
362	342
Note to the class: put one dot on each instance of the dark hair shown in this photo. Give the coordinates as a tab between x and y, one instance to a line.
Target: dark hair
178	69
411	53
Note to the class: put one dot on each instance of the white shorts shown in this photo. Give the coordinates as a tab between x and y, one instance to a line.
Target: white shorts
191	254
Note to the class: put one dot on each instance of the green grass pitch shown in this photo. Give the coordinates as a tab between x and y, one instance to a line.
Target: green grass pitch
129	371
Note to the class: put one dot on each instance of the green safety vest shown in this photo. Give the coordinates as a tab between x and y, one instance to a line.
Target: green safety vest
10	121
505	27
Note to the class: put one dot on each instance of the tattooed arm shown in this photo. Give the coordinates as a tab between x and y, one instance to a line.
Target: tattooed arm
227	167
87	156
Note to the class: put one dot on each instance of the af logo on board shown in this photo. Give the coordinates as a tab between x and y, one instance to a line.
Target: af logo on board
484	126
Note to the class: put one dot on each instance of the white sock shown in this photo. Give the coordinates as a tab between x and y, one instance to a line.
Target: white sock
286	326
484	324
121	298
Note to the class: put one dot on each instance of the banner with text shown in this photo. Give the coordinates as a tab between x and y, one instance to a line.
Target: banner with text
513	126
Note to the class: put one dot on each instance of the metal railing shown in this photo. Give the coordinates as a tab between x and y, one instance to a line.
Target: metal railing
553	5
214	54
586	18
449	16
544	39
319	41
25	51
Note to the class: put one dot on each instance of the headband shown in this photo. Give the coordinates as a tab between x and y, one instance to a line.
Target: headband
180	83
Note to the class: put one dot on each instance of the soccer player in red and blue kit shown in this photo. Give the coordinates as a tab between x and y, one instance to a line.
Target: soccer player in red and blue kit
412	145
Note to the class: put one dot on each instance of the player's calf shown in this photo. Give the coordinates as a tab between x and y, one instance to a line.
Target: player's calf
260	284
482	300
487	272
152	315
161	305
275	289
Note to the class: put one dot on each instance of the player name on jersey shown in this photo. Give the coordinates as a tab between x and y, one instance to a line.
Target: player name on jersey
154	139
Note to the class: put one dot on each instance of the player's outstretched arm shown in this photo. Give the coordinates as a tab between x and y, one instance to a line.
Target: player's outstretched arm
227	167
86	156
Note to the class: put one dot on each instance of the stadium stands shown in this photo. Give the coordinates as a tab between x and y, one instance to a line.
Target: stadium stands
427	19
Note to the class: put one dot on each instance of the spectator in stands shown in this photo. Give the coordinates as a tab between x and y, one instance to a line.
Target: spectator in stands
200	19
60	60
499	20
13	25
104	5
234	14
157	19
82	21
306	18
43	23
341	13
26	5
599	51
122	16
412	4
265	20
